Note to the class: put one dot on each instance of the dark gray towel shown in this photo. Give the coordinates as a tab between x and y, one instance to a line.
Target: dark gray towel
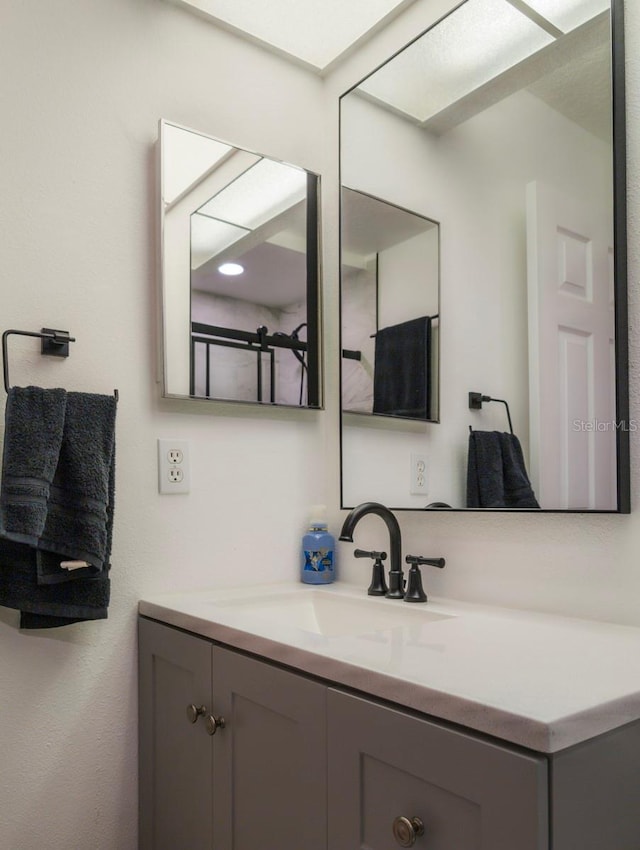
79	520
496	472
47	606
401	385
76	462
34	423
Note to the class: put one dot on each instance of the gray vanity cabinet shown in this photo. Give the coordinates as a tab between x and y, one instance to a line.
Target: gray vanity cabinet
176	756
276	760
259	781
386	765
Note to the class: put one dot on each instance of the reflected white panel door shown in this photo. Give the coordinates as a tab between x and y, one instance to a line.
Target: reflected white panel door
571	351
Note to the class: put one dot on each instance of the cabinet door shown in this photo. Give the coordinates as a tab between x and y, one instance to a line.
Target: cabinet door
469	794
175	754
269	758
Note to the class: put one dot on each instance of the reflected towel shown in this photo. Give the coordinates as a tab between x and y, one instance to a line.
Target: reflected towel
401	371
496	472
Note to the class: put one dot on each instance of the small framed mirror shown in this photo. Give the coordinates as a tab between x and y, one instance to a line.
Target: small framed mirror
240	274
501	131
389	309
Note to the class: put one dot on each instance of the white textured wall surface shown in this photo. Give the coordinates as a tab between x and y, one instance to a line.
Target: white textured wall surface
83	86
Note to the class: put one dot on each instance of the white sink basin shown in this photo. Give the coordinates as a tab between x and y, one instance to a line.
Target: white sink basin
324	613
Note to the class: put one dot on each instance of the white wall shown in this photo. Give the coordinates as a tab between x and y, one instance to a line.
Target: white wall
408	279
358	303
83	87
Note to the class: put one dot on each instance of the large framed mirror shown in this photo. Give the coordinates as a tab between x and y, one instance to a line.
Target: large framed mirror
500	129
240	274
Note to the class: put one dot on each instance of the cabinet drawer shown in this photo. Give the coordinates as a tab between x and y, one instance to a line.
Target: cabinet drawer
470	794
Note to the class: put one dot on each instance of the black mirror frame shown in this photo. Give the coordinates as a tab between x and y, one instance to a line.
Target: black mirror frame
621	311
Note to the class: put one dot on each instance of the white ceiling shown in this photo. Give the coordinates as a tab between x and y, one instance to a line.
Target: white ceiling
371	225
319	33
482	42
316	33
274	276
434	82
567	14
452	71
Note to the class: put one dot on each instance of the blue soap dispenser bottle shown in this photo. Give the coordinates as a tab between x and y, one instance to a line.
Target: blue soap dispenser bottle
318	550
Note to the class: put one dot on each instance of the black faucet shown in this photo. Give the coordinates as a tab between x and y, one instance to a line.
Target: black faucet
396	583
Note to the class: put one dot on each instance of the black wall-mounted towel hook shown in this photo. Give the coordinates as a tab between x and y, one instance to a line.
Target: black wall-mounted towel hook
54	343
476	400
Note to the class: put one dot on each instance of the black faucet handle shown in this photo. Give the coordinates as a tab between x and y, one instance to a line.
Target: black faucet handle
415	591
361	553
378	586
416	560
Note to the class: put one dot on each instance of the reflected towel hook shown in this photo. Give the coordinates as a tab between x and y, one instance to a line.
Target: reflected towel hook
475	403
55	343
433	318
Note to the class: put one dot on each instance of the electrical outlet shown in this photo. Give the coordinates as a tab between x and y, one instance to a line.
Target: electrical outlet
173	466
175	456
418	474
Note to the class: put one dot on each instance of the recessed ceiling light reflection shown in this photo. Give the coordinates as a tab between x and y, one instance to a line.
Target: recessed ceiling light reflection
231	269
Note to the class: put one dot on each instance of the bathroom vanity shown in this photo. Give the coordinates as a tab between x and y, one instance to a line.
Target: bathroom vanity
288	717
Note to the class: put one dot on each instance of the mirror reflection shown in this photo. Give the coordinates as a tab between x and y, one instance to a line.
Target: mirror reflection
240	273
390	298
496	126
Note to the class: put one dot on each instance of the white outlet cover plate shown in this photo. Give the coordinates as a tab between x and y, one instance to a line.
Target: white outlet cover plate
173	455
418	484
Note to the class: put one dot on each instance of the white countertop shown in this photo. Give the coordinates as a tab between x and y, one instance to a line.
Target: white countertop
537	680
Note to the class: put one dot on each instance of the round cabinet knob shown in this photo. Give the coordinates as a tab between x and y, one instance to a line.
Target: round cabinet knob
214	723
406	830
193	712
